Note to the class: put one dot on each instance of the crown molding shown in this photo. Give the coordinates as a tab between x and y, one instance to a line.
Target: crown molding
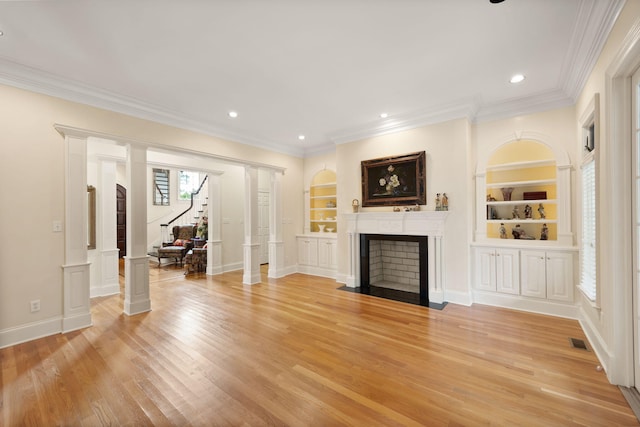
544	101
462	109
595	20
34	80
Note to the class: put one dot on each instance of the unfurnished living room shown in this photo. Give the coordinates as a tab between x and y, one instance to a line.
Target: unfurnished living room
320	213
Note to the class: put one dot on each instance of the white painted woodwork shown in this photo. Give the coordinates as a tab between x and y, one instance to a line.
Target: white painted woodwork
214	237
108	279
263	225
136	287
251	246
422	223
328	253
534	275
76	269
276	242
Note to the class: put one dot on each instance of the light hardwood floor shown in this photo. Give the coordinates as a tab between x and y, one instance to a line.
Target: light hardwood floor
297	351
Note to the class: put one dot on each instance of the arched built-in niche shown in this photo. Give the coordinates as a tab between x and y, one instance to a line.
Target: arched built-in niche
519	175
323	209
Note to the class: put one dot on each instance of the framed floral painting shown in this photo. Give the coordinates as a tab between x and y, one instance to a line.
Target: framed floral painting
391	181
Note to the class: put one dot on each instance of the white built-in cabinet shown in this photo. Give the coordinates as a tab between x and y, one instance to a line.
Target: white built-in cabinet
498	270
318	255
318	246
536	273
547	274
532	273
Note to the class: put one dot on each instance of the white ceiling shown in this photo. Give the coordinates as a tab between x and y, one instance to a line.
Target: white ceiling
323	68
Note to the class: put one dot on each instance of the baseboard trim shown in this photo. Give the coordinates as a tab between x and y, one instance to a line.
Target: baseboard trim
516	302
633	399
317	271
31	331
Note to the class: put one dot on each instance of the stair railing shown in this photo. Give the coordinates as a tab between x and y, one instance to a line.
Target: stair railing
164	228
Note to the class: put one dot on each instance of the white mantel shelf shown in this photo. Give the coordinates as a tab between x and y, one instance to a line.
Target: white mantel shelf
420	223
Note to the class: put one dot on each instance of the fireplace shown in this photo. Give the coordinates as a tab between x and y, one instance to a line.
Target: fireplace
404	227
394	267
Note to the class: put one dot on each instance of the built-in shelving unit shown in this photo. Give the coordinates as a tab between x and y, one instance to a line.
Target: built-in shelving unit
323	209
531	185
536	273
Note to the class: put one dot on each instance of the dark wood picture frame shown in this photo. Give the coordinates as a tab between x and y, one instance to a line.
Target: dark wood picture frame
394	181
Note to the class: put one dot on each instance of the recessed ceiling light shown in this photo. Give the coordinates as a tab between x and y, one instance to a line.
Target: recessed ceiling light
517	78
1	33
301	137
233	114
384	115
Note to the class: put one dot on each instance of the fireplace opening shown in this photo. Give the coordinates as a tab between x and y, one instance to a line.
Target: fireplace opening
394	267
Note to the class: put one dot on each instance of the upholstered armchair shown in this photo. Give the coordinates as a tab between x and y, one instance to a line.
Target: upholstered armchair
182	242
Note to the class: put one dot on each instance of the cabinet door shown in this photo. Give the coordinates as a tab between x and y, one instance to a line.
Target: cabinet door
327	256
534	276
307	251
507	271
560	276
486	269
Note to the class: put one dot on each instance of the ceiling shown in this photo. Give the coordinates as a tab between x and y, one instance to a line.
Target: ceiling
325	69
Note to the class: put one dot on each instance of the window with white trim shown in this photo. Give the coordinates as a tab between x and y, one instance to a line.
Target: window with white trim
588	254
590	123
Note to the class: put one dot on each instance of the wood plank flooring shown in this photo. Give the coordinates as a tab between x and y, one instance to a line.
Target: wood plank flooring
298	352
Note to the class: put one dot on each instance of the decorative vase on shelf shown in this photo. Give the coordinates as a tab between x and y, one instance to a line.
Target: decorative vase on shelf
506	193
321	228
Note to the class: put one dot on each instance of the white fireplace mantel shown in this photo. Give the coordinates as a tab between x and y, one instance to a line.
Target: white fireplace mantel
421	223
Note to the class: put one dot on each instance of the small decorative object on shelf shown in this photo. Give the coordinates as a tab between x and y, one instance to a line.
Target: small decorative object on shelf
396	209
515	213
503	231
544	234
331	204
356	205
445	202
416	208
541	211
506	193
528	212
515	231
438	202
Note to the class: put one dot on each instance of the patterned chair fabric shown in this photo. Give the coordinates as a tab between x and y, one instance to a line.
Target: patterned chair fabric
182	243
195	260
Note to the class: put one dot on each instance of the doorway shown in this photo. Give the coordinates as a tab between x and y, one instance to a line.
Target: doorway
121	220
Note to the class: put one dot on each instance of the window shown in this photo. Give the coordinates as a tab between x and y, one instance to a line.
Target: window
590	123
588	246
161	187
188	183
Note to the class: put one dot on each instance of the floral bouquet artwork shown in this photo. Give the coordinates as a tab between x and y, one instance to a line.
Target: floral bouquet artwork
394	181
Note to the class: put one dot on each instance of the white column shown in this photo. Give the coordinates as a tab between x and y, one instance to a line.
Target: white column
276	244
76	273
136	288
251	243
214	239
109	282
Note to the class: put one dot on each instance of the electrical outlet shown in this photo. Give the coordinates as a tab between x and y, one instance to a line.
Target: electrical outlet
57	226
35	305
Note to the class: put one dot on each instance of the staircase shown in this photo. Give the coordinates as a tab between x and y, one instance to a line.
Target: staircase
192	215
